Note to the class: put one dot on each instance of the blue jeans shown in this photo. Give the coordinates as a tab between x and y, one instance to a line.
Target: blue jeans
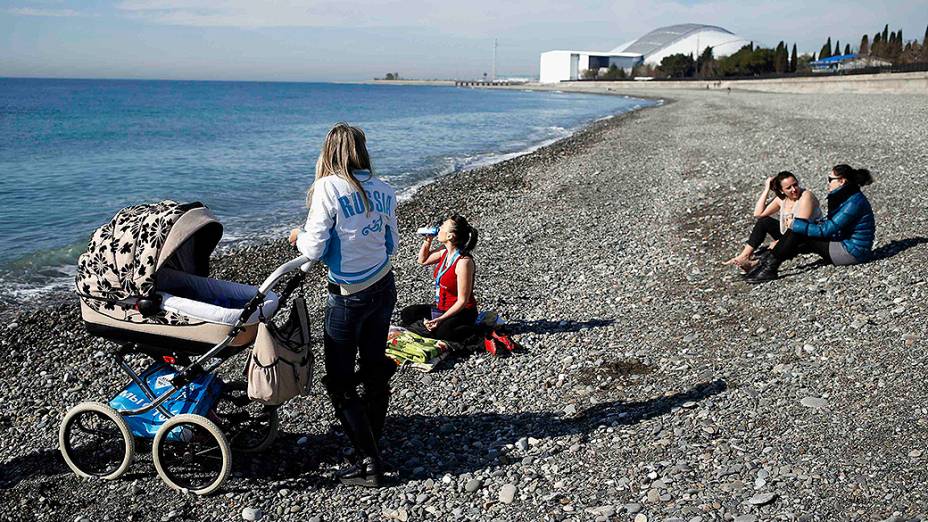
356	326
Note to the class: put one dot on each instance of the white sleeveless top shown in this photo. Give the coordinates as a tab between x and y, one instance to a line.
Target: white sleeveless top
816	215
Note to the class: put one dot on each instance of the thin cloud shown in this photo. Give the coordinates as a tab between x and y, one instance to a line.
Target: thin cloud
451	18
249	13
37	11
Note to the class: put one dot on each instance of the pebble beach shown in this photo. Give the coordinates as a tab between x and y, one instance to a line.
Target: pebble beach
654	384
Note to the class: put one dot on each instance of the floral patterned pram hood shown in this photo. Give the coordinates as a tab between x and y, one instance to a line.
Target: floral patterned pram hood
124	254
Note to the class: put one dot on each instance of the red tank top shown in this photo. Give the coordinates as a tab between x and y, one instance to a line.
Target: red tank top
446	284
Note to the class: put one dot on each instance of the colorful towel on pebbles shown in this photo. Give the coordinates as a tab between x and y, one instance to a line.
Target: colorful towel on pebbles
409	349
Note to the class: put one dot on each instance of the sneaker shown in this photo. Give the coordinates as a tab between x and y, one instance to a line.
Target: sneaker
503	340
489	345
366	473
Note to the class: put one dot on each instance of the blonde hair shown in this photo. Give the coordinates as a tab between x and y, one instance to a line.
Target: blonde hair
343	152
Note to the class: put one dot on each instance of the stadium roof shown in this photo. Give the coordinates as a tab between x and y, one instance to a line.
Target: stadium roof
663	37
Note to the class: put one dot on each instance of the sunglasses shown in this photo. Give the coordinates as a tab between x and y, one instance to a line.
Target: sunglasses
832	178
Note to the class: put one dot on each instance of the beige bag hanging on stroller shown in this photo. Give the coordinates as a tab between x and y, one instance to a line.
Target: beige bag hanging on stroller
281	362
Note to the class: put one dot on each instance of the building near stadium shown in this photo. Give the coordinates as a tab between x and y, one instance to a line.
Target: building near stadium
650	49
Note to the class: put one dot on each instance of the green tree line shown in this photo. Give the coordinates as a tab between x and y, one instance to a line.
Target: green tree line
753	61
885	45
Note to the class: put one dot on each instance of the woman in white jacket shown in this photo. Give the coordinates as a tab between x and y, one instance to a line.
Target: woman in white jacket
352	229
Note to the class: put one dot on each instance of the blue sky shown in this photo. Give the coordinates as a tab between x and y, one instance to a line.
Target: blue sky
292	40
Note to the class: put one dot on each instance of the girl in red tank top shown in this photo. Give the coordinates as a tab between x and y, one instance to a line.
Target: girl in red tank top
454	311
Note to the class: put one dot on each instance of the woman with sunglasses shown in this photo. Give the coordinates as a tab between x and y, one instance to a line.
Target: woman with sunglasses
791	202
844	237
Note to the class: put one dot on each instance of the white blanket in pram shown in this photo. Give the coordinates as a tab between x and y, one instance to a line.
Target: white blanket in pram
210	300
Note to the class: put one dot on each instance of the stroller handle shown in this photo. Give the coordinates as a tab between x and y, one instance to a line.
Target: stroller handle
301	263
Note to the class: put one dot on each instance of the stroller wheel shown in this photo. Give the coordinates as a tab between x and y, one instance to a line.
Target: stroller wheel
191	454
249	426
95	441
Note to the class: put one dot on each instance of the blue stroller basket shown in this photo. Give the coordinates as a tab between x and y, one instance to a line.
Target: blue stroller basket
197	397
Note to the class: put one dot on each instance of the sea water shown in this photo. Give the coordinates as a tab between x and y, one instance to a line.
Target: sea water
73	152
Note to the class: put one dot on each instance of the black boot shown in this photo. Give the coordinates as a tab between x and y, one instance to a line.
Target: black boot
768	271
762	259
377	394
367	471
376	408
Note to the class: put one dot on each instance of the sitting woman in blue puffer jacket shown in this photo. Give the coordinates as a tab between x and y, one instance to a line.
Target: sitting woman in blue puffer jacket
844	237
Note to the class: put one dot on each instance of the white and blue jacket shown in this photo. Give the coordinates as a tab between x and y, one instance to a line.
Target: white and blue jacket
355	244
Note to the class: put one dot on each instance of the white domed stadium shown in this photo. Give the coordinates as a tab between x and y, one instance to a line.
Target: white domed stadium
683	39
691	39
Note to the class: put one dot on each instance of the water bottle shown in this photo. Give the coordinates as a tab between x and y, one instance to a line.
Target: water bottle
427	231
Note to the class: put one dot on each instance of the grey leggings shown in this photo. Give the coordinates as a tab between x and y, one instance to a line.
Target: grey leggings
839	255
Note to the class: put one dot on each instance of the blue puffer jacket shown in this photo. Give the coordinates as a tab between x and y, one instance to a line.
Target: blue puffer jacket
850	221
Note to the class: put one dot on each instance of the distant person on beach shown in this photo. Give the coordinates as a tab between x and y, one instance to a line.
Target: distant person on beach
453	314
844	237
790	202
352	229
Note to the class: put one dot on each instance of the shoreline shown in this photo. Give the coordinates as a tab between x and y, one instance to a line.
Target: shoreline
654	382
58	293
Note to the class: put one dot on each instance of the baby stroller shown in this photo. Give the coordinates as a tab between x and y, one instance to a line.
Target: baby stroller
143	284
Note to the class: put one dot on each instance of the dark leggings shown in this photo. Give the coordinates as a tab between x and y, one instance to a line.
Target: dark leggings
763	227
792	244
456	328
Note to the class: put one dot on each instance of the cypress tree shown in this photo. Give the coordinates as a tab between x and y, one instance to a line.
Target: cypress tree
924	50
826	50
837	51
885	37
777	58
925	46
864	45
793	60
877	48
847	48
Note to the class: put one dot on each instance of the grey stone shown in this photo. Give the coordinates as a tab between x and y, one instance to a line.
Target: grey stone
814	402
602	511
761	499
507	493
654	495
473	485
251	514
